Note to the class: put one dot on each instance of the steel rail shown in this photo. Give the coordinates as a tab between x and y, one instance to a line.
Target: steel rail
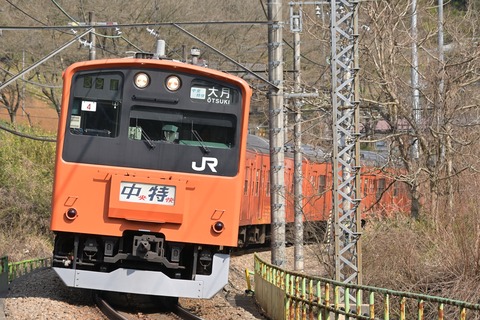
185	314
112	314
107	309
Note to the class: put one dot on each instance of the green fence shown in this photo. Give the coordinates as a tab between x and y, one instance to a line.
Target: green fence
16	269
3	275
289	295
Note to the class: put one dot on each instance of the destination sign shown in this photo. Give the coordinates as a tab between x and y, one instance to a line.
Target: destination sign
215	94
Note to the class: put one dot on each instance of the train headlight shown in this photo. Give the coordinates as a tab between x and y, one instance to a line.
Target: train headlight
218	227
71	214
173	83
142	80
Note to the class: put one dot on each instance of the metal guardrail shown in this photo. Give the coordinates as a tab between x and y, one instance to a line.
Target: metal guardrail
3	275
290	295
17	269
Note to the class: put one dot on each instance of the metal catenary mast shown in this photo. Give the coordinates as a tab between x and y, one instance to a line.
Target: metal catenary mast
346	149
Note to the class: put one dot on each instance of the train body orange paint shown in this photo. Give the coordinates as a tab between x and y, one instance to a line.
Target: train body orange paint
148	179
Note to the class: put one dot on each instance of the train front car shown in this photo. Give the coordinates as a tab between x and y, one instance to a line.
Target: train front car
148	179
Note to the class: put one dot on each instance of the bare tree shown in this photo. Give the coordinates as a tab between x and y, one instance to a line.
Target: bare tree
12	95
448	125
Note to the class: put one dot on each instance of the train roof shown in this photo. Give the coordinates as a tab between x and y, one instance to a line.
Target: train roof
258	144
261	145
316	154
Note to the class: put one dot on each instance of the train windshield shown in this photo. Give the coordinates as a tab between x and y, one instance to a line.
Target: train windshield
111	121
192	128
95	118
96	105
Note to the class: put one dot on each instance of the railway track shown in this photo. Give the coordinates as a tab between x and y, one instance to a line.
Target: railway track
111	313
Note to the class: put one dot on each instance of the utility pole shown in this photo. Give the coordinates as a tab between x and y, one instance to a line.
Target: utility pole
276	133
90	43
445	140
441	56
296	27
91	36
415	86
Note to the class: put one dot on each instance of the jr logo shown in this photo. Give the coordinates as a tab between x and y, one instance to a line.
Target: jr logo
206	161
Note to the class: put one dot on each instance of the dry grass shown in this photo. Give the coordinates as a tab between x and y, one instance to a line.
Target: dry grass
26	171
416	256
21	247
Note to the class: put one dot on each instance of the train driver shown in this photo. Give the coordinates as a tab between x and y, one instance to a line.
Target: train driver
170	133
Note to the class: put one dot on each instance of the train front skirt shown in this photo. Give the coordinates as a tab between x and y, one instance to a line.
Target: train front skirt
150	282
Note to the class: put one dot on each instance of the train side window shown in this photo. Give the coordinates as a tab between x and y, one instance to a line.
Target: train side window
257	182
395	189
380	187
95	118
289	180
245	186
267	189
365	187
322	183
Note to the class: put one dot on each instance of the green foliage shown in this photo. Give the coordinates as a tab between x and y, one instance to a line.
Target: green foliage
26	175
459	4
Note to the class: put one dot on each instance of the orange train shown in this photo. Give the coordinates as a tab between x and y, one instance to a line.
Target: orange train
148	176
381	195
154	183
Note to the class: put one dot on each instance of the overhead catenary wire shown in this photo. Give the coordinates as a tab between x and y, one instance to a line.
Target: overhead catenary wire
60	28
149	24
63	11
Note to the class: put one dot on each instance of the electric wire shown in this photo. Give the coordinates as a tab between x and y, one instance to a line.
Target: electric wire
288	44
63	11
38	84
33	18
96	26
25	13
24	135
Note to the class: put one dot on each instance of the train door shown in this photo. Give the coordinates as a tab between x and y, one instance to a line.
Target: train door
289	190
266	192
245	213
258	199
310	193
262	185
253	189
307	210
367	192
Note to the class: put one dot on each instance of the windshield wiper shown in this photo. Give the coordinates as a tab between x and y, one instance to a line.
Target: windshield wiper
148	141
200	140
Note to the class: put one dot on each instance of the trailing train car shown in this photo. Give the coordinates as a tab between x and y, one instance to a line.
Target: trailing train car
381	194
149	175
